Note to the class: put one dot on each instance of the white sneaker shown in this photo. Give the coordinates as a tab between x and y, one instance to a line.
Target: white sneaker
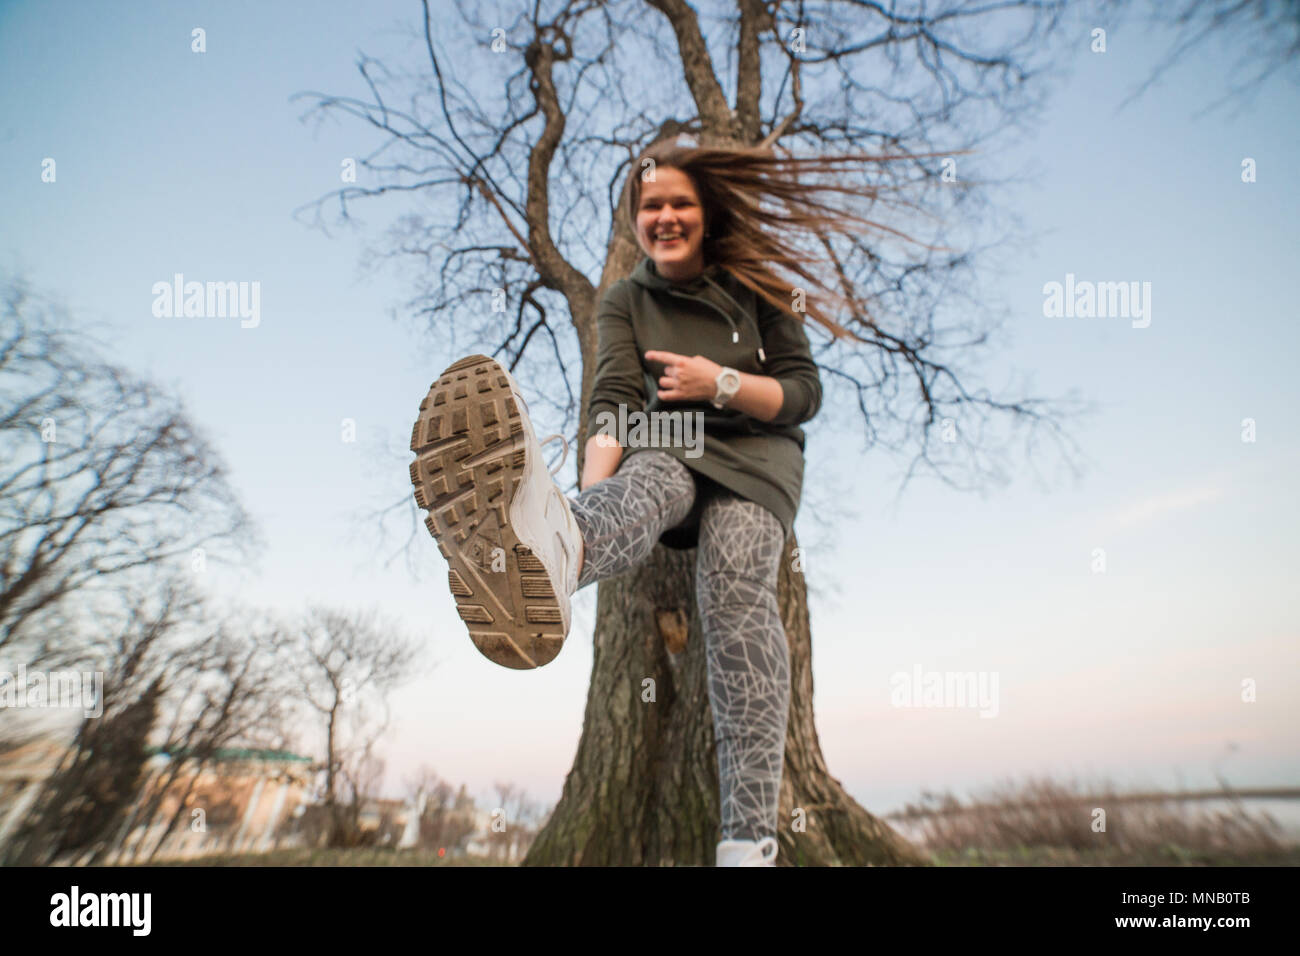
500	520
748	852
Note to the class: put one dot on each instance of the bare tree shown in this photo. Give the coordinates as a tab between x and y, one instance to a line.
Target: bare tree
448	818
110	501
139	655
508	171
518	817
232	693
102	476
346	664
360	776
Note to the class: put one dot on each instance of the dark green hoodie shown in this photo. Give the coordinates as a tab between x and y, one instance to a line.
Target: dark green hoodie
712	315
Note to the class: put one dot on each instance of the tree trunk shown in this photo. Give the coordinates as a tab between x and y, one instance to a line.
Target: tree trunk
643	789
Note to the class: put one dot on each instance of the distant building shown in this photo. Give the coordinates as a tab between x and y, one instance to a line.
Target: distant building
244	801
22	772
249	801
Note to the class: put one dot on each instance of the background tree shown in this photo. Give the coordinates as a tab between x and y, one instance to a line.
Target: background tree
102	477
232	694
448	819
361	773
346	663
520	815
507	171
107	780
111	502
139	655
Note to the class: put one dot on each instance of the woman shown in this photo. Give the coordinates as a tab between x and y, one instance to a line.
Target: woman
706	319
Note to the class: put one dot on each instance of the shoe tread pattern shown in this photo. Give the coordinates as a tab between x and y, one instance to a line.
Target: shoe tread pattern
469	446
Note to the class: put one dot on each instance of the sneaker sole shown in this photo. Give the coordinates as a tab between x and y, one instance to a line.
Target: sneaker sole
471	452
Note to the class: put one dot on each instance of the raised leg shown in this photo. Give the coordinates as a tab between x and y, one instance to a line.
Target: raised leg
622	517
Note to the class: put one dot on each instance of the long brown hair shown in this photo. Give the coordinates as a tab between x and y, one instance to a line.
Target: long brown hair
754	202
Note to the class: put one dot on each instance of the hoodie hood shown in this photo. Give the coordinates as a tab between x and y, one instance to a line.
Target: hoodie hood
709	287
647	274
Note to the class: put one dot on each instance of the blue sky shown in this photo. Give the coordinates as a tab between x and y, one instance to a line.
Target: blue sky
172	162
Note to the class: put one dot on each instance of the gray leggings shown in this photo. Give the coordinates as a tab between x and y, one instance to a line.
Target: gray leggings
740	545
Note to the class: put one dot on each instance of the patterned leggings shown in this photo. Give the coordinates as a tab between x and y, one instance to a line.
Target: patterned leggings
740	545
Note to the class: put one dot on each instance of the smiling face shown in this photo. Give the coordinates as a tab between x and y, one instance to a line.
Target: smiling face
670	224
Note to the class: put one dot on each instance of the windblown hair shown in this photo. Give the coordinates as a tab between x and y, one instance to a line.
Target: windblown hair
756	206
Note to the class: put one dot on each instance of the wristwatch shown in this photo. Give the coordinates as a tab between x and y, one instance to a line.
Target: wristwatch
728	386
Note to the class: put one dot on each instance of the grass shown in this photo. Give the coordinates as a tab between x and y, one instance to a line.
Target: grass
1044	823
309	856
1041	823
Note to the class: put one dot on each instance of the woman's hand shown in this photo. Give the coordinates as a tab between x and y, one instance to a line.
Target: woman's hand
687	378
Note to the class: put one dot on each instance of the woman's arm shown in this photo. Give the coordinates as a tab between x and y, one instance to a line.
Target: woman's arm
759	396
602	458
694	378
790	363
790	395
619	381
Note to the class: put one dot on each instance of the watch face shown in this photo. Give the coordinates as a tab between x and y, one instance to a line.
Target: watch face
728	385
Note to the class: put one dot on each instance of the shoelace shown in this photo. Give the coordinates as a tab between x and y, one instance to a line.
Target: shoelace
563	457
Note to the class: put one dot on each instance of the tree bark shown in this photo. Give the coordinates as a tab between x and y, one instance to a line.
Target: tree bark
643	789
